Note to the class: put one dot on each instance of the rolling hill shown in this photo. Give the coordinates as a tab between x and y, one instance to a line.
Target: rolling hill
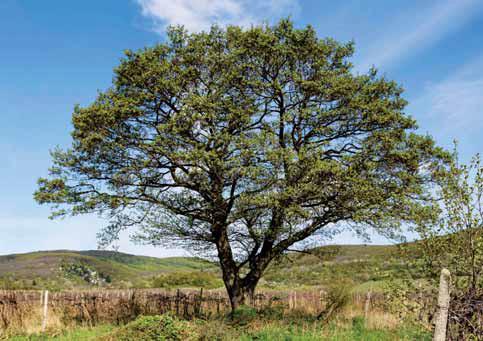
62	269
65	269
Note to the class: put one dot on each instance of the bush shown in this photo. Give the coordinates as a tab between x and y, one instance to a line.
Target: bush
337	297
198	279
153	328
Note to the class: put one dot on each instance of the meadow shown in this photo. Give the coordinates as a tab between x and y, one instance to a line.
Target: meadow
318	296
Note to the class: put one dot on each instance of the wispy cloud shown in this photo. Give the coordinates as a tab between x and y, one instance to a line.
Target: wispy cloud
455	104
453	108
198	15
418	30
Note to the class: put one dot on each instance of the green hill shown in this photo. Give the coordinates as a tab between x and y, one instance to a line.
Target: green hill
65	269
363	265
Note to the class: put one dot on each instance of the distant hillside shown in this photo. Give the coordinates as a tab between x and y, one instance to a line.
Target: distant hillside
363	265
359	265
69	269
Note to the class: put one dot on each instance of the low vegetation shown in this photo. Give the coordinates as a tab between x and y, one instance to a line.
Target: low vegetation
348	325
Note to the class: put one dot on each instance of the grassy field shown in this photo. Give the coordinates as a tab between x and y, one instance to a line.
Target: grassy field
148	328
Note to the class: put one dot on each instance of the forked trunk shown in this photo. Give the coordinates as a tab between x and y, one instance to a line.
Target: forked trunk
241	293
237	298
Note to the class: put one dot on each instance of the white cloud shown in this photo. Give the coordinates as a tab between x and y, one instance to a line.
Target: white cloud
198	15
417	30
453	109
458	103
455	104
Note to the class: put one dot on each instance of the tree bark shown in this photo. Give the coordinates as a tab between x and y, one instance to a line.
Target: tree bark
241	291
237	297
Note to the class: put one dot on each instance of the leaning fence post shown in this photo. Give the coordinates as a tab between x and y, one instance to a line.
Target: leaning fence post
44	316
443	306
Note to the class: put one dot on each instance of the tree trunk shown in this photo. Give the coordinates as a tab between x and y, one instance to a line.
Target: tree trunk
241	292
237	298
238	288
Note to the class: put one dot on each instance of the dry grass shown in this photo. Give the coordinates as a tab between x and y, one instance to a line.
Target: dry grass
22	310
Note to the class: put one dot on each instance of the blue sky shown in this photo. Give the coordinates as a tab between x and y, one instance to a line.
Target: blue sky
55	54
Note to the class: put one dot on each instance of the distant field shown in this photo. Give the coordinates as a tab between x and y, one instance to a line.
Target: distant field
366	266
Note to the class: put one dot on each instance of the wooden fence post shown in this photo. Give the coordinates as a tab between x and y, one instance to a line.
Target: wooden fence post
367	305
443	306
177	302
45	310
217	300
200	306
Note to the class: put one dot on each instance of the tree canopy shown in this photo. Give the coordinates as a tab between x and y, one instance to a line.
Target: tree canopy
245	142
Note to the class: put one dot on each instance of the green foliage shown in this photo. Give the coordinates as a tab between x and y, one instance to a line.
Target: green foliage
243	315
153	328
337	297
411	301
455	238
195	279
244	141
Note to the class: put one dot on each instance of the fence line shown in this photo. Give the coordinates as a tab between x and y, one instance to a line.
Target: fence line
120	306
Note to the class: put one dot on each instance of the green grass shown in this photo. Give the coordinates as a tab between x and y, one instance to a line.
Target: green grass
274	331
296	334
81	334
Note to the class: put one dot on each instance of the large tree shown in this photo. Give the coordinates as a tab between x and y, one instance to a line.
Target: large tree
245	142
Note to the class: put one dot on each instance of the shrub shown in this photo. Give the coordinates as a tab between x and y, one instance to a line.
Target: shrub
153	328
337	297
